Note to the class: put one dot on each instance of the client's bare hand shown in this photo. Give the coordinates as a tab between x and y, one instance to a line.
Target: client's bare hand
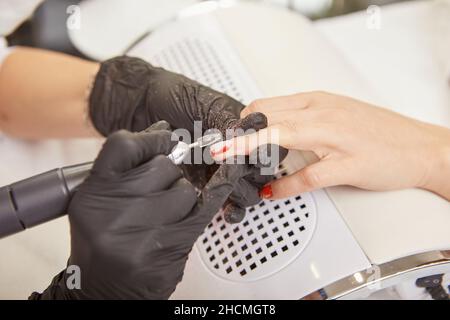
357	143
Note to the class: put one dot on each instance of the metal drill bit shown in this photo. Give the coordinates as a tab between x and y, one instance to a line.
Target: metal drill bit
207	140
181	150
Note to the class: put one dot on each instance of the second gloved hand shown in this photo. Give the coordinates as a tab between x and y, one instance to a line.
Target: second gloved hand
135	219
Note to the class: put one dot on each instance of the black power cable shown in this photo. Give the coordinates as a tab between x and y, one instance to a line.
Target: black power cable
433	285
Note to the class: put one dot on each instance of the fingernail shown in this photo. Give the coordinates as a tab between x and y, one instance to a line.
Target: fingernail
219	148
266	192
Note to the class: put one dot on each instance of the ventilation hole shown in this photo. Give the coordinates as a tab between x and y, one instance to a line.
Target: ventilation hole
228	270
238	263
258	251
243	272
205	240
274	254
286	224
280	238
303	206
264	235
251	209
217	242
250	232
222	227
255	218
291	210
230	244
234	254
216	266
307	215
270	221
297	219
244	247
262	204
269	244
284	248
276	207
275	230
214	233
253	266
249	256
208	249
226	235
302	228
254	241
225	260
263	260
290	233
295	243
245	224
260	226
281	215
240	238
266	212
210	226
298	198
221	251
219	218
287	202
236	229
212	258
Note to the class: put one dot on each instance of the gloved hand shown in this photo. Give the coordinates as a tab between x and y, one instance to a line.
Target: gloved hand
129	93
135	220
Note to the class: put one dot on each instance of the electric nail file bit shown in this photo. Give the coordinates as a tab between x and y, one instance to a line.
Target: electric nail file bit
181	150
45	197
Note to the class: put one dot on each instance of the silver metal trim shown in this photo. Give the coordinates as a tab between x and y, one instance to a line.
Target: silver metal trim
385	275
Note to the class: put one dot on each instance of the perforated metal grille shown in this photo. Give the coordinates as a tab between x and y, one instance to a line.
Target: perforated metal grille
197	59
274	232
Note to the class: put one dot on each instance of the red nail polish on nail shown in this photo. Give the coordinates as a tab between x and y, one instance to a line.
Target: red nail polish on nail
266	192
224	149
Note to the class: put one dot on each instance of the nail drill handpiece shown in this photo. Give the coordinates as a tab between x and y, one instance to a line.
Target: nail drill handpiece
46	196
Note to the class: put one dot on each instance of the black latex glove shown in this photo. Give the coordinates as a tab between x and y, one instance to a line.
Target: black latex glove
135	220
129	93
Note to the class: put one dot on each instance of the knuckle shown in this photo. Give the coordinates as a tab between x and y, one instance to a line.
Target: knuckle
121	139
309	178
320	93
165	136
288	130
161	162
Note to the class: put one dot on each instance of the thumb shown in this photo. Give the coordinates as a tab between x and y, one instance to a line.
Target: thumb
324	173
124	150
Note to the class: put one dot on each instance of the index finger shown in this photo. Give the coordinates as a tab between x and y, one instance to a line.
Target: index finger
278	134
